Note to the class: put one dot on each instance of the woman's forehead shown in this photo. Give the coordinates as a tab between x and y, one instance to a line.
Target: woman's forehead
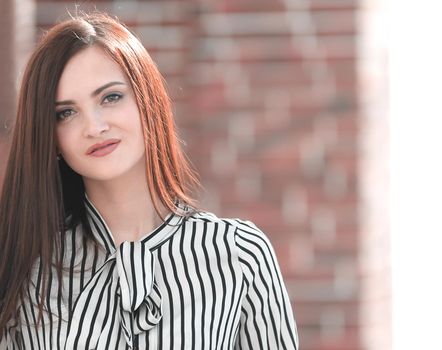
86	71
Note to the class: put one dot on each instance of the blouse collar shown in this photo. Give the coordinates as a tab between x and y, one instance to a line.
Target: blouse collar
153	239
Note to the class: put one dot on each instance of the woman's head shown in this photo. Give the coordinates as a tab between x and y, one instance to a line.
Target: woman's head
168	173
96	106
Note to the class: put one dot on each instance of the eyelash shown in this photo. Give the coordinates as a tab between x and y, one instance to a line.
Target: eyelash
59	114
114	97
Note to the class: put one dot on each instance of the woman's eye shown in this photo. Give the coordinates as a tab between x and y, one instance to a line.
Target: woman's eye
64	114
112	98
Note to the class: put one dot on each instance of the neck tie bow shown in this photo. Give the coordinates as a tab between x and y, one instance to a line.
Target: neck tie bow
126	279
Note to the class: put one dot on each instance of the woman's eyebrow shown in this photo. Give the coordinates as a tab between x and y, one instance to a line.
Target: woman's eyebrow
105	86
93	94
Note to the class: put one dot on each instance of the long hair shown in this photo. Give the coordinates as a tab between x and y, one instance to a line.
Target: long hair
39	193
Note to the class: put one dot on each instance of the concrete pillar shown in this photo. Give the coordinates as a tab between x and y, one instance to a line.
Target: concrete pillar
375	267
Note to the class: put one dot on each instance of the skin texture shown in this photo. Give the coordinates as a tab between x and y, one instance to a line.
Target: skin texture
115	183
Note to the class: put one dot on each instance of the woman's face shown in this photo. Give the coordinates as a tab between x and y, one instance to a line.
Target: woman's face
95	104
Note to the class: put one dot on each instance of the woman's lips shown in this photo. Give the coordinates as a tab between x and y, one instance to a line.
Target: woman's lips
105	150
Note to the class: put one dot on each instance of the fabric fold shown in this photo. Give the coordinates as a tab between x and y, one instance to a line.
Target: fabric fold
127	275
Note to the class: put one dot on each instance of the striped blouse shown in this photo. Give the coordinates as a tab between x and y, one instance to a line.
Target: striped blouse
195	282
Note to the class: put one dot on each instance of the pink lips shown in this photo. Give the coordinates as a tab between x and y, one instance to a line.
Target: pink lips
103	148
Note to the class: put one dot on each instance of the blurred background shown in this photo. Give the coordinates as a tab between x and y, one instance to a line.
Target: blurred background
283	106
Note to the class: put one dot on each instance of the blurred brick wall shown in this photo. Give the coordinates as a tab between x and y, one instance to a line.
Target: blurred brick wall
274	91
266	99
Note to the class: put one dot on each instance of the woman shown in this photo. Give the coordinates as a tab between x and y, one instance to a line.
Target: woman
101	247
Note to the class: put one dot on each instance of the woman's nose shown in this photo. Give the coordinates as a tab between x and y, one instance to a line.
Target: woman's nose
95	124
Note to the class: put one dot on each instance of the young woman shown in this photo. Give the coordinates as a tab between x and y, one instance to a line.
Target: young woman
101	246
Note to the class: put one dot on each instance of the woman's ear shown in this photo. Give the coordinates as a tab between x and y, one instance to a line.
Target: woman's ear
58	152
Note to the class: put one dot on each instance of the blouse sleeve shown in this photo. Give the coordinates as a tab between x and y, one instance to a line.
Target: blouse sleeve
267	320
9	338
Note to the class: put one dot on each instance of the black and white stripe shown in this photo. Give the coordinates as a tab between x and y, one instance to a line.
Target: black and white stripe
196	282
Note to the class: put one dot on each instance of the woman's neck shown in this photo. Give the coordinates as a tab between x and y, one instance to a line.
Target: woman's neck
127	208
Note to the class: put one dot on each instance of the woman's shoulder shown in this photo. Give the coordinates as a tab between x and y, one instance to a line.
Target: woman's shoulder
208	217
242	229
252	247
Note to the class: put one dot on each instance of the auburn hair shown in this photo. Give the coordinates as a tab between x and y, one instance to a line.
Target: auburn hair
41	197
